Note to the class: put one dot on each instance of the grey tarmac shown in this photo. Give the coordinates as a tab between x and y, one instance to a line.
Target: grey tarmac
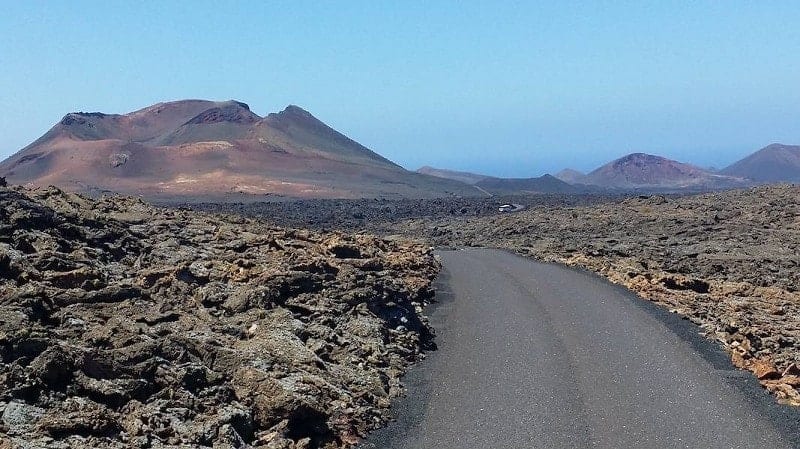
535	355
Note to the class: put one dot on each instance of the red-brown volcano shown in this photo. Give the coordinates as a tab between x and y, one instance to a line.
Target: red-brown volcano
646	171
773	163
197	148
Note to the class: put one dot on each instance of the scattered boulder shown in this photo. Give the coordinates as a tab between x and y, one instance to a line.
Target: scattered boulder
117	159
18	414
765	369
53	367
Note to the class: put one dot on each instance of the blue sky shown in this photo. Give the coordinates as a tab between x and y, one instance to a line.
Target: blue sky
511	89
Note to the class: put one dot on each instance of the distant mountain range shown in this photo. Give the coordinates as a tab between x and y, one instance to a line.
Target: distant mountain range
206	149
774	163
640	171
500	186
222	150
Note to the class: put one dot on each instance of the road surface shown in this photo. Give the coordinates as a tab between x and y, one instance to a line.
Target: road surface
536	355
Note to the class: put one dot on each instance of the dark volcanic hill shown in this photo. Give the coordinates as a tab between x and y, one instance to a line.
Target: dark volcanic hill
773	163
646	171
542	184
462	176
206	149
504	186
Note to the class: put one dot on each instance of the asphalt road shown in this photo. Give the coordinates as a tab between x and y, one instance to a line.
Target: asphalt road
536	355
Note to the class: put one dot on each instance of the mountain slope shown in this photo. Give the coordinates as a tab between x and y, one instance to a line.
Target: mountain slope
198	148
773	163
462	176
646	171
306	130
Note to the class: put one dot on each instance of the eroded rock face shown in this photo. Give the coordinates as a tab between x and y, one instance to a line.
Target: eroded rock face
124	325
728	261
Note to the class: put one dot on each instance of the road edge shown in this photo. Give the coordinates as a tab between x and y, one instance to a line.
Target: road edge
416	387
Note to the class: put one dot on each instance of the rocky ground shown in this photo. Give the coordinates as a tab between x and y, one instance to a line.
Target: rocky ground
363	214
728	261
125	325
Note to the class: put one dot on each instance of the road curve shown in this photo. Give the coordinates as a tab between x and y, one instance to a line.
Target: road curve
535	355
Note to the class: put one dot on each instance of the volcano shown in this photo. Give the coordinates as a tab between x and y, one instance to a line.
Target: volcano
213	150
647	171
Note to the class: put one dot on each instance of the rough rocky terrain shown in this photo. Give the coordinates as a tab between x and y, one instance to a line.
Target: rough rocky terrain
125	325
728	261
381	214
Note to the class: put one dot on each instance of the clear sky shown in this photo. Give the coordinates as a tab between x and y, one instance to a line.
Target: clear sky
505	88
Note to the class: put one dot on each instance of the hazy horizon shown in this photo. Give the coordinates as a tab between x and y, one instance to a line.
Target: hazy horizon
509	90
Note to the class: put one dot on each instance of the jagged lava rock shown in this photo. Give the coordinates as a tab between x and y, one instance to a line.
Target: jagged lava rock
126	325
